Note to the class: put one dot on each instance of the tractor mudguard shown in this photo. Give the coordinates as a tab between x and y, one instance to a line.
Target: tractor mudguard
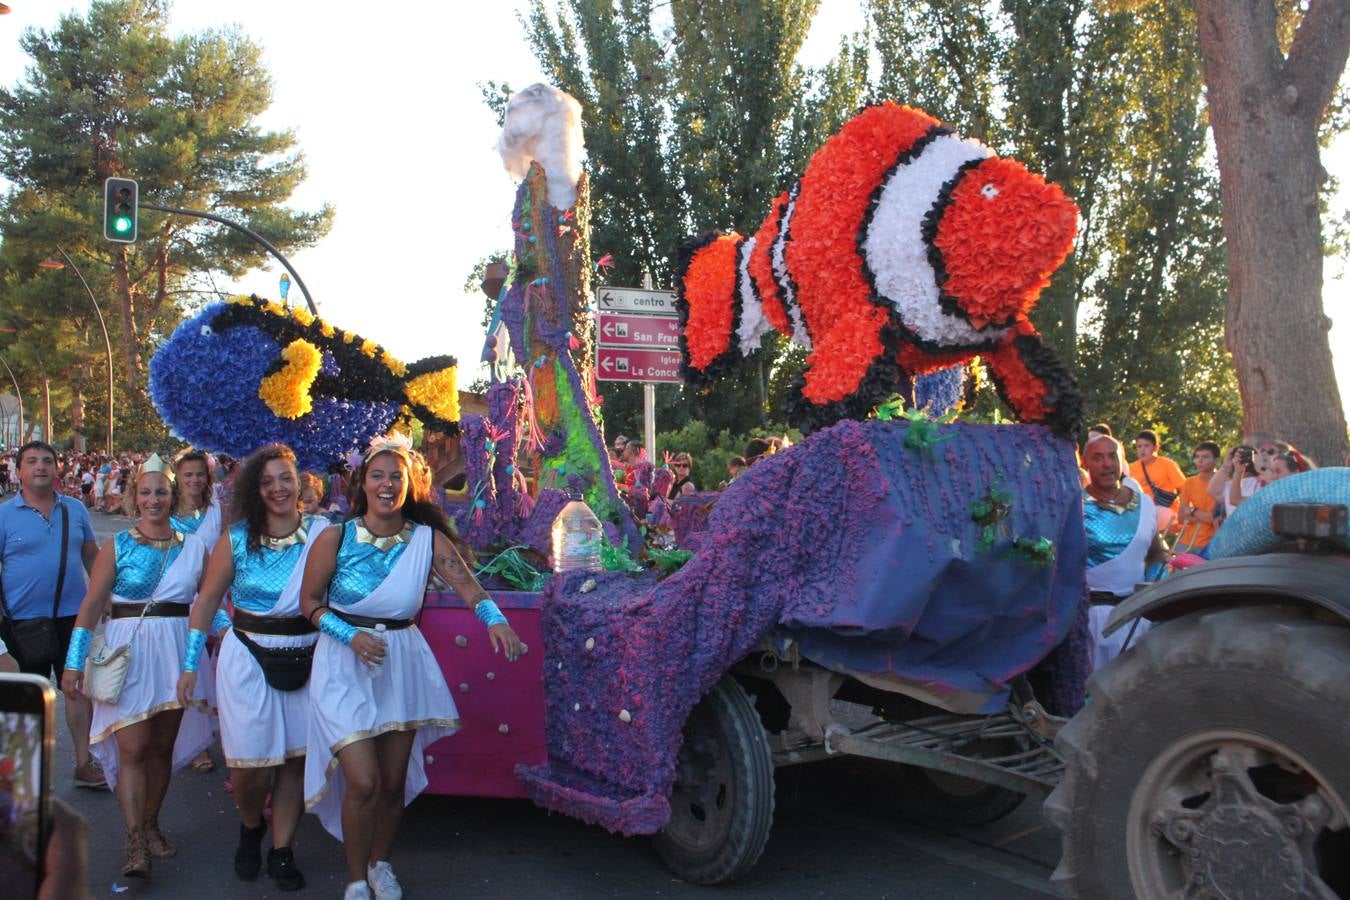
1321	581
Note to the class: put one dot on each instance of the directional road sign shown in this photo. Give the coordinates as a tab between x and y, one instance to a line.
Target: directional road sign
639	335
635	300
639	331
618	364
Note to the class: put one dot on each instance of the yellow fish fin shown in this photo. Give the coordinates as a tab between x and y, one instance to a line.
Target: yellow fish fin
432	388
286	391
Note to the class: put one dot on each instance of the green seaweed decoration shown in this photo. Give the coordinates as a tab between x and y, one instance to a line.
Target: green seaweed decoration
892	409
617	559
669	561
1039	553
512	568
991	513
923	434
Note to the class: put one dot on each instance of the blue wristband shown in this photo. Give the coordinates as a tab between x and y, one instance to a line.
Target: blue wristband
79	648
192	656
336	628
220	621
488	613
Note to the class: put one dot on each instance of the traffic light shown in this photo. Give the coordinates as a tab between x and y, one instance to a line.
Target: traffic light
120	198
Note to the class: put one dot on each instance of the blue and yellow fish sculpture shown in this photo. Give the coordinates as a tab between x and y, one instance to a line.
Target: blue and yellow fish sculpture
249	372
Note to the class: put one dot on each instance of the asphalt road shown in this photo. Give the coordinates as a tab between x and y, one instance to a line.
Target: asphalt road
836	834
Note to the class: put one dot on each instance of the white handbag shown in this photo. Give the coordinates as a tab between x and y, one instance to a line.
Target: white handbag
105	668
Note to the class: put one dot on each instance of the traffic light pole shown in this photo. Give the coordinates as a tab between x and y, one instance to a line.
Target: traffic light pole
246	230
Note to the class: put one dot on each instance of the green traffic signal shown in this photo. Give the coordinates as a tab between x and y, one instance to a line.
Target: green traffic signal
120	203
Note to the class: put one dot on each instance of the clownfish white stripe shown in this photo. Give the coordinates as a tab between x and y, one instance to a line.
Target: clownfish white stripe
753	323
897	254
780	271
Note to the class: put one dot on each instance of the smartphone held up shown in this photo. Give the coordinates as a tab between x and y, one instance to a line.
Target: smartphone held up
27	739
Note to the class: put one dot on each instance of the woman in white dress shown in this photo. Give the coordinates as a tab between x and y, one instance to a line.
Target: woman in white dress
377	695
196	512
262	716
150	574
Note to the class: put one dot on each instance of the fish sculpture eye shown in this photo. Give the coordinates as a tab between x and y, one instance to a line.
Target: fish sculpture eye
989	191
206	331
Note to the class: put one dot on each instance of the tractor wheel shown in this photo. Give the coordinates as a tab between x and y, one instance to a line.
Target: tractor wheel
1210	762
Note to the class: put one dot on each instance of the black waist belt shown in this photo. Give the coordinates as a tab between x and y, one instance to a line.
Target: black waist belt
282	625
367	622
160	610
1103	598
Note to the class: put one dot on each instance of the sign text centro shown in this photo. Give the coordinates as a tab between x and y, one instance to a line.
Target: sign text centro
635	300
638	332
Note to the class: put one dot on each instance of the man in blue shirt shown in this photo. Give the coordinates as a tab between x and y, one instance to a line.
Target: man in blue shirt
30	552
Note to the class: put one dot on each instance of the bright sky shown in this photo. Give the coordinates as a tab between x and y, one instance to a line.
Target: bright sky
386	107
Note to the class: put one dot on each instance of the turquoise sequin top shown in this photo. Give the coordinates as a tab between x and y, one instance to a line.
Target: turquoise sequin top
139	566
1109	530
260	576
188	524
361	567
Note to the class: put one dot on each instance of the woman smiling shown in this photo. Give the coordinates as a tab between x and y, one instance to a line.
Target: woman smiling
377	695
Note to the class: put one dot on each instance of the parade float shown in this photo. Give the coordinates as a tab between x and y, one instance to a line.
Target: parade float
897	557
925	568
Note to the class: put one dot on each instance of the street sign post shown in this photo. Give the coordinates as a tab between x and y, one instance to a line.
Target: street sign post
639	337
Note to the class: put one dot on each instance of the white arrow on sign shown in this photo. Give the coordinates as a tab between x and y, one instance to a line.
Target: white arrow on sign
608	329
607	364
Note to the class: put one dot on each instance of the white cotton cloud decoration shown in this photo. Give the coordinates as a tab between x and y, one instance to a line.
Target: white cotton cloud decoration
543	124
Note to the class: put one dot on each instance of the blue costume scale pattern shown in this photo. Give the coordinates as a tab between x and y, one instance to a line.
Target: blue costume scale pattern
1109	529
188	524
361	567
139	566
261	575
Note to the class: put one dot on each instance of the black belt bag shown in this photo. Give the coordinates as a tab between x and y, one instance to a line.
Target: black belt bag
285	668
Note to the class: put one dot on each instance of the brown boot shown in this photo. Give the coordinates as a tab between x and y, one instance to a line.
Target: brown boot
158	844
138	855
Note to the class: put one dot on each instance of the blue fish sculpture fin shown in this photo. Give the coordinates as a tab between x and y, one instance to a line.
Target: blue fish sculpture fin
431	390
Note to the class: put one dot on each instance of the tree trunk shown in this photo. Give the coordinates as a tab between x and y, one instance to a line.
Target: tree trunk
128	338
1265	110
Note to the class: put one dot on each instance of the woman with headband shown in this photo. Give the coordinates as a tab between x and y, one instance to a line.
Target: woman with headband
377	695
150	573
263	668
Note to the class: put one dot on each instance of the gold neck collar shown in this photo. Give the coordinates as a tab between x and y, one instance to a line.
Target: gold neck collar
167	543
298	536
382	542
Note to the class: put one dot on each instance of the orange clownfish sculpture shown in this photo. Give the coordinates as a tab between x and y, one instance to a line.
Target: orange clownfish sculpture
901	250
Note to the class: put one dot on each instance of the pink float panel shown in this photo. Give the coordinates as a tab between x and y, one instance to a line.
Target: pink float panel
480	759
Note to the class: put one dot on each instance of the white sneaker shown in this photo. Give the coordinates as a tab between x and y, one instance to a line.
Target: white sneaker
357	890
383	882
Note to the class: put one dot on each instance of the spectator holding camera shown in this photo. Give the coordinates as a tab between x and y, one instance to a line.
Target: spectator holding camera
1237	479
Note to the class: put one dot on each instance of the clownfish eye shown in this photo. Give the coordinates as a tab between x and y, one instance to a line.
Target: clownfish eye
989	191
206	331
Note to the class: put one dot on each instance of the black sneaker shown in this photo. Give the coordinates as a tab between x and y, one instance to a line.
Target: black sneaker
281	868
248	858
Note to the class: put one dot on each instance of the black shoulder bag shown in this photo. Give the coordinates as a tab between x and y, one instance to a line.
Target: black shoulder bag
1160	497
37	641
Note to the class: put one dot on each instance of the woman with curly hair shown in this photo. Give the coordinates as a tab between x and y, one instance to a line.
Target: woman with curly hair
150	574
264	661
378	698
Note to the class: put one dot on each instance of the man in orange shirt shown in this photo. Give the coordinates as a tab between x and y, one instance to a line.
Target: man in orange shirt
1156	474
1198	508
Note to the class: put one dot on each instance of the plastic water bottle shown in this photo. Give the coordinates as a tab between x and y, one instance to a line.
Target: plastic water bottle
576	538
377	668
